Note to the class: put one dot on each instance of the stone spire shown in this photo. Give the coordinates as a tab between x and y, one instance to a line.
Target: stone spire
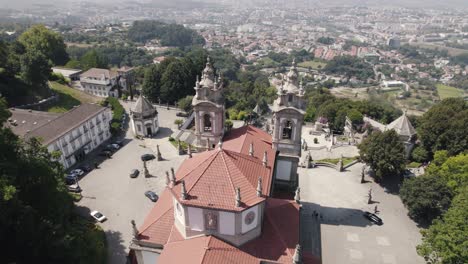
134	229
238	197
220	145
189	150
168	180
183	190
340	164
251	150
158	153
208	144
172	177
265	159
297	196
259	187
297	258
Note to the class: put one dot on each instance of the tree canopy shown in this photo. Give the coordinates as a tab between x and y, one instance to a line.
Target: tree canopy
385	154
443	127
350	67
426	197
47	42
167	34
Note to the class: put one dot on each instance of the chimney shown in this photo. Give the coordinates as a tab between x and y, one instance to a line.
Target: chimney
251	150
183	190
265	159
238	197
259	187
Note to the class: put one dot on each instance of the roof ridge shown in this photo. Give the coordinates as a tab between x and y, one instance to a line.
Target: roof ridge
206	247
199	177
190	171
227	170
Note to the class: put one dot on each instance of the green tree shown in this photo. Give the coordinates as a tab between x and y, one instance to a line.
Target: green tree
385	154
186	103
152	83
92	59
445	241
174	82
419	154
454	170
426	197
443	127
35	68
47	42
356	117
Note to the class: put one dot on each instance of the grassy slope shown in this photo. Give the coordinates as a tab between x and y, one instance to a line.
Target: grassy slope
312	64
69	97
448	91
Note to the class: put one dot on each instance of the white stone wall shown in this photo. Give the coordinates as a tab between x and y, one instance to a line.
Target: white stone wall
227	223
247	227
195	219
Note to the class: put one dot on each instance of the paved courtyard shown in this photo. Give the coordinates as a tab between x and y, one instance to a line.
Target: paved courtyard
111	191
341	231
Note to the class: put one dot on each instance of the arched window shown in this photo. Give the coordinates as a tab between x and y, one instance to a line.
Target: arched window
290	98
207	122
287	130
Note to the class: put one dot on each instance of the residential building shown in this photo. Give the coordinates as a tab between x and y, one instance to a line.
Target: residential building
74	133
100	82
72	74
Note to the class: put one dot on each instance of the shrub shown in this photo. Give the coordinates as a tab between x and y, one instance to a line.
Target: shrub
171	139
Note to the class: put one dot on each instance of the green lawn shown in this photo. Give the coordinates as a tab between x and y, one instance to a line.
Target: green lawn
448	91
314	64
346	161
68	98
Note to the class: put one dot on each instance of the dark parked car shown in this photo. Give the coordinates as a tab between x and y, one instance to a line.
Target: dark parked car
71	179
373	218
105	153
146	157
119	142
86	168
134	173
152	196
182	114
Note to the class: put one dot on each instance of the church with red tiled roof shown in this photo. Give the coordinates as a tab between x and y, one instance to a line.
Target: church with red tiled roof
218	206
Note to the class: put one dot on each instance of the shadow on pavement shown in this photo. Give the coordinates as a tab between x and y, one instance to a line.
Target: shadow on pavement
163	133
116	251
336	216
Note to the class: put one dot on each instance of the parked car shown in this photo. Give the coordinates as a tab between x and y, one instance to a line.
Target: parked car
134	173
182	114
74	188
85	168
71	178
98	216
119	142
78	172
105	153
146	157
115	146
152	196
373	218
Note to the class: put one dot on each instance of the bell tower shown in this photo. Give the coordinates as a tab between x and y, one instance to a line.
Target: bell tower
208	106
288	116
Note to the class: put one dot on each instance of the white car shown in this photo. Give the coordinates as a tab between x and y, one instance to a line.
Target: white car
98	216
113	146
78	172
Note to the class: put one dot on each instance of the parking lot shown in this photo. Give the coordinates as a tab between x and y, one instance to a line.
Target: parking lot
120	198
342	232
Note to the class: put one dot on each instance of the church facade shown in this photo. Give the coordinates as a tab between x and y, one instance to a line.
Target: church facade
219	204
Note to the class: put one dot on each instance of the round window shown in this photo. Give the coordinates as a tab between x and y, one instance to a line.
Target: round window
249	218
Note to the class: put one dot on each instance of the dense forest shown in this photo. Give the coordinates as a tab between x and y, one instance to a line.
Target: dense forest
167	34
350	67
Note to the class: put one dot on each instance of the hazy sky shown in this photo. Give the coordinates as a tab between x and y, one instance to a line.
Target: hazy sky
408	3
